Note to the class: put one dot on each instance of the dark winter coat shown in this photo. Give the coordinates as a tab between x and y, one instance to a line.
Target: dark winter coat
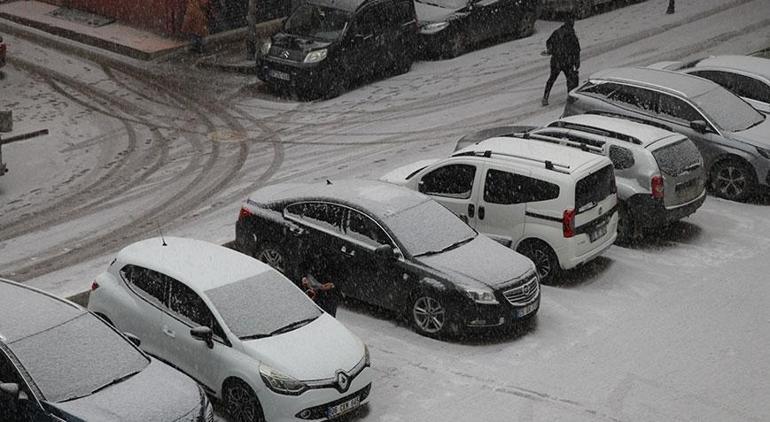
196	20
564	47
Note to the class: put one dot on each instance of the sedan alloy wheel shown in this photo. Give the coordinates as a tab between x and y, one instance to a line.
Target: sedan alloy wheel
273	257
428	315
732	180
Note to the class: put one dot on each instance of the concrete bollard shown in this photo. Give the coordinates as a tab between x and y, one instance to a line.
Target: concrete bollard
6	120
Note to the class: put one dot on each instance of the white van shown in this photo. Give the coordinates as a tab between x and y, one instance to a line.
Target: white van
554	204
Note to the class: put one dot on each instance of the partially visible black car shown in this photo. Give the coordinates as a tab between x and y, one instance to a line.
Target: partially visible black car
59	362
449	27
393	248
326	44
2	52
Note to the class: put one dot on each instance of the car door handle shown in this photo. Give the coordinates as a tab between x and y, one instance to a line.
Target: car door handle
169	332
481	213
471	210
348	252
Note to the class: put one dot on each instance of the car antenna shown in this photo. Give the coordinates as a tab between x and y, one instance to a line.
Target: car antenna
161	234
328	182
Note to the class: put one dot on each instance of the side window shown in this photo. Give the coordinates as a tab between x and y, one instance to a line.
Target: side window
725	79
452	181
188	306
678	109
639	98
364	229
603	90
752	88
622	158
148	284
323	214
7	371
501	187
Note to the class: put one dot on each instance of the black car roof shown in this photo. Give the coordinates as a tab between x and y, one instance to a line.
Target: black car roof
348	5
25	311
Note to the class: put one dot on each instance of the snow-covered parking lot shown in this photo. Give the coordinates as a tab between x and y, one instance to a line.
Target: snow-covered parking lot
674	328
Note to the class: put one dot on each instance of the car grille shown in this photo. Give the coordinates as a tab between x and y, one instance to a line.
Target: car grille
286	54
523	294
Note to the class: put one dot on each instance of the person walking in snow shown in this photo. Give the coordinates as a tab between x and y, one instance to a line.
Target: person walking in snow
564	48
196	23
318	286
670	7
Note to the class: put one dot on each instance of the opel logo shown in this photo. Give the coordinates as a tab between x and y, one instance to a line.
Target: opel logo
343	381
525	289
285	54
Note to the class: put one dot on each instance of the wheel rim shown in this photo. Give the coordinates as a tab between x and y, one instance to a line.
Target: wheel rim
429	315
542	262
731	181
272	258
241	404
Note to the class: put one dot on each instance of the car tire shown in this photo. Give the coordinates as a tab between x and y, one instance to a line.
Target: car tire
627	230
732	179
543	257
403	64
273	256
240	402
428	314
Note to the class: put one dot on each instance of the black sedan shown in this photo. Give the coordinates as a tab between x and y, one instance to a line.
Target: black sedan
393	248
449	27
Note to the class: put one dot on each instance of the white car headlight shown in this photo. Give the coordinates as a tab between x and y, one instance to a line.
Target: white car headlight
280	383
485	297
315	56
264	49
432	28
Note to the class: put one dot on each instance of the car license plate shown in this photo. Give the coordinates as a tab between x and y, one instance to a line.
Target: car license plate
518	313
343	407
599	232
279	75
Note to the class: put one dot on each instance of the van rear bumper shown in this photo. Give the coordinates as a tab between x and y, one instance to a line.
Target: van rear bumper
648	212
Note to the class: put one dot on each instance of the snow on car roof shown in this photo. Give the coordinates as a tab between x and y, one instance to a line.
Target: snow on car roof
536	150
646	134
200	265
25	311
378	198
756	65
665	80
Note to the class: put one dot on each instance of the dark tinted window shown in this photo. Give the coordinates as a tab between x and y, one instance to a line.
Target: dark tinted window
261	304
600	90
505	188
639	98
317	22
453	181
150	285
622	158
187	305
725	79
364	229
752	88
76	357
594	188
678	109
323	214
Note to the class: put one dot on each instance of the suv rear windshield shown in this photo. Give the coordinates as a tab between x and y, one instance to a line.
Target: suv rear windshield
677	158
317	22
594	188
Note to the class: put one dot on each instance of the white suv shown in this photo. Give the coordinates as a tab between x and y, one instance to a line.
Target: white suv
554	204
241	329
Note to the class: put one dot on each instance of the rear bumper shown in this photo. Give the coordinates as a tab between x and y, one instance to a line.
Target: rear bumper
648	212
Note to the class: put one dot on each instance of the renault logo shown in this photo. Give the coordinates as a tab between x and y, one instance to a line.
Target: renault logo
285	54
343	381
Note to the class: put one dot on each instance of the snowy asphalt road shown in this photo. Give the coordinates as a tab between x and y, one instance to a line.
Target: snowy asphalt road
674	329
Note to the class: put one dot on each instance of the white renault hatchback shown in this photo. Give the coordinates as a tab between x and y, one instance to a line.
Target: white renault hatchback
241	329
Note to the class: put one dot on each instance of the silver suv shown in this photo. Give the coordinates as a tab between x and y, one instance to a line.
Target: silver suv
733	137
659	174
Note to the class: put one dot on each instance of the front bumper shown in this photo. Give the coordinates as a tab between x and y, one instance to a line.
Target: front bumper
285	408
292	75
505	312
647	212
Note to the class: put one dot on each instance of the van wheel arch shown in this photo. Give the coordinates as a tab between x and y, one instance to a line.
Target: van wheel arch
543	256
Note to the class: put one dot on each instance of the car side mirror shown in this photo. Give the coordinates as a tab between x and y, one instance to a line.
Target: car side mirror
133	339
203	334
385	252
699	126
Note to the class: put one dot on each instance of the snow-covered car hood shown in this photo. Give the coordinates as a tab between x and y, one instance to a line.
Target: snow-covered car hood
481	260
759	135
158	393
398	176
427	13
312	352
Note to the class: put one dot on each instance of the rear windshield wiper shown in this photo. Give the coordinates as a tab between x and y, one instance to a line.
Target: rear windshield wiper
293	325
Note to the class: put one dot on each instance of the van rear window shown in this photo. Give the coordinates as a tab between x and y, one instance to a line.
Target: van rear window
594	188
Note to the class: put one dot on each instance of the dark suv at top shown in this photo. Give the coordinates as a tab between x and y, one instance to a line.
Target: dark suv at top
393	248
324	44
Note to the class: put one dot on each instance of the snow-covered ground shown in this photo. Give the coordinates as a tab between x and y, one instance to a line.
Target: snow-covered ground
676	328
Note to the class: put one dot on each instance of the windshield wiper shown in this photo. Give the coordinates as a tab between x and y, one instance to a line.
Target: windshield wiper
293	326
448	248
253	336
116	381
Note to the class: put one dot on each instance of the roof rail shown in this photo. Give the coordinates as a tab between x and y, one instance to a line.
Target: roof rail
566	142
631	118
549	165
599	131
